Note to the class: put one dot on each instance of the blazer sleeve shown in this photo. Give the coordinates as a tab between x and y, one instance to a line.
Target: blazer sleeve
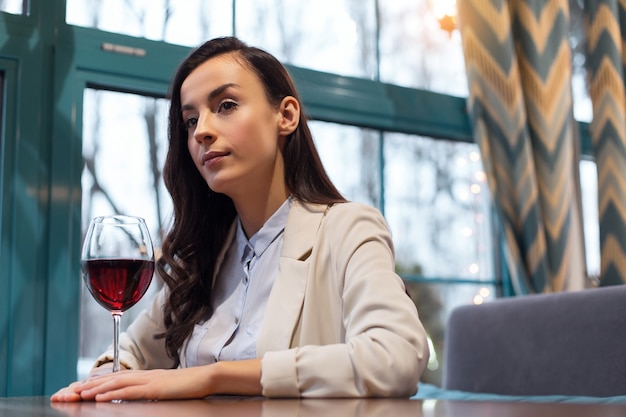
139	349
384	350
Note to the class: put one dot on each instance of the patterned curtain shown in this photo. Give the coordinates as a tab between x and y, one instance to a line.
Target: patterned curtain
518	64
606	55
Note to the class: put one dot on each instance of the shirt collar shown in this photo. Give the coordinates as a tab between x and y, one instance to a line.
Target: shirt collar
269	232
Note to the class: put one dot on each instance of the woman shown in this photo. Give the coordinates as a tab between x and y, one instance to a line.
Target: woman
275	285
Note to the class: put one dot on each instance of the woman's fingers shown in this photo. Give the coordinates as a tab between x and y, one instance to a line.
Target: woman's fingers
97	385
130	385
134	385
125	385
67	394
135	392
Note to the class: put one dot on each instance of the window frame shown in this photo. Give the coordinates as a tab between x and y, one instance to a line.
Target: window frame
8	95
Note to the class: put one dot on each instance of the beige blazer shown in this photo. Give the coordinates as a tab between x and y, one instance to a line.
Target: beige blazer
338	321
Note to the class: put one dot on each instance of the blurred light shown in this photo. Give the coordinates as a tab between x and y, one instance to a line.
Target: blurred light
467	231
445	13
484	292
478	299
474	268
480	176
475	156
460	161
475	188
448	23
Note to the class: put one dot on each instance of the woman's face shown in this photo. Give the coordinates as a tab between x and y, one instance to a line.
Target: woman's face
234	134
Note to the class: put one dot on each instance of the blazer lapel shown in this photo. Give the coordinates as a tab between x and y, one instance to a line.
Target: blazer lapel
287	295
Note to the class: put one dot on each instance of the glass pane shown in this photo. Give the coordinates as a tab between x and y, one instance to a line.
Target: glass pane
438	207
181	22
13	6
351	158
589	190
337	36
583	110
124	147
416	52
435	302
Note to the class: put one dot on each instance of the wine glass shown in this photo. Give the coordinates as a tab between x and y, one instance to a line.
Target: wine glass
117	263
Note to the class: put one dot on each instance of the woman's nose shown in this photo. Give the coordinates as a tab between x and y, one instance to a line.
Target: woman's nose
204	129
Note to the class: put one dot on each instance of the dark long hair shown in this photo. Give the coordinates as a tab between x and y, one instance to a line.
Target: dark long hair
202	218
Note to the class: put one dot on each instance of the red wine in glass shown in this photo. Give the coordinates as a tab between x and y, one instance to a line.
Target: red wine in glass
117	266
118	284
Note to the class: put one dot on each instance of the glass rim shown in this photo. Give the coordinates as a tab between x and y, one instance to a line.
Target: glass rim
118	219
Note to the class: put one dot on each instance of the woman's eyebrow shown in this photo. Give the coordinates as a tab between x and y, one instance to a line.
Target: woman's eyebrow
215	93
219	90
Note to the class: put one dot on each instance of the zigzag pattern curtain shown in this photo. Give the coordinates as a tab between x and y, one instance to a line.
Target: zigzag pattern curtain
518	64
605	32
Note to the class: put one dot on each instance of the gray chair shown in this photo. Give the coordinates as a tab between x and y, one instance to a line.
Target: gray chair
570	343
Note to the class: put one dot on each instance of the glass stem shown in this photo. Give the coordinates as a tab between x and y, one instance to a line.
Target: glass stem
116	340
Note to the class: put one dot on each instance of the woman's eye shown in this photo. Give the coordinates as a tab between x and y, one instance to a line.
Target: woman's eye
191	122
227	105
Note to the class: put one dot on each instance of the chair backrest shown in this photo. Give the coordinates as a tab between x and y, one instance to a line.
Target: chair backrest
571	343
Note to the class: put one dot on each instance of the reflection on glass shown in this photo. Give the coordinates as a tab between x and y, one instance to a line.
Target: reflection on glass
351	158
337	36
438	206
124	147
13	6
181	22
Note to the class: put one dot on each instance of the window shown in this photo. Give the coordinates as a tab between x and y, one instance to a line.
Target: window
14	6
337	36
416	52
591	227
437	203
124	146
583	112
351	156
181	22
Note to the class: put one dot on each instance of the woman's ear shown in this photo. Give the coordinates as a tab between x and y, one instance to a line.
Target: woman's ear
289	116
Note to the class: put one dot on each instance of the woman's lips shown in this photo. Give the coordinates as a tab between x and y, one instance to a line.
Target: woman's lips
212	157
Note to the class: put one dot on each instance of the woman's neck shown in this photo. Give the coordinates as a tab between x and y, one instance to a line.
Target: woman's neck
254	211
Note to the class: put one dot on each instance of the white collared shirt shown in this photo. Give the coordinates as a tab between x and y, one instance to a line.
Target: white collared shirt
240	294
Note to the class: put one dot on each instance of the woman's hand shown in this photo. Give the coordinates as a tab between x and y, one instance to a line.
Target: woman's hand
158	384
240	377
70	393
67	394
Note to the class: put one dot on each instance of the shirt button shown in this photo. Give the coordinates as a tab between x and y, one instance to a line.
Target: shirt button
236	320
